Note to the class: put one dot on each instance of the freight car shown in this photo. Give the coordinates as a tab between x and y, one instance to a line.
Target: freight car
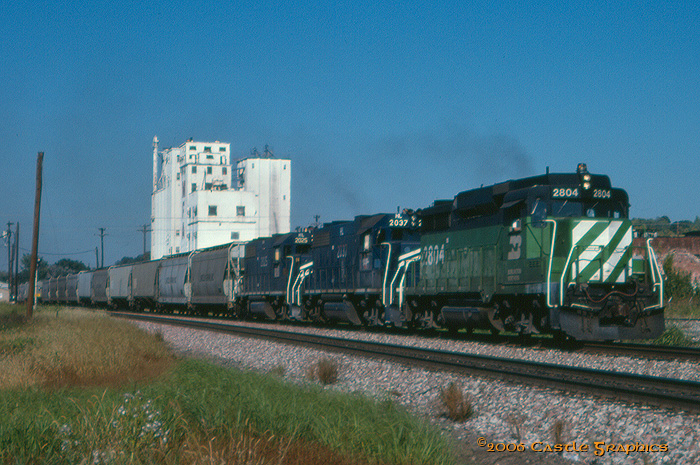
545	254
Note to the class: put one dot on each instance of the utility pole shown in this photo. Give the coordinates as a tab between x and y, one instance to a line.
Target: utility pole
9	259
97	258
16	253
144	230
35	236
102	244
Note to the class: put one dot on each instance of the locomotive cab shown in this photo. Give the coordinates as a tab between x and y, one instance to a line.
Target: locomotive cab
578	236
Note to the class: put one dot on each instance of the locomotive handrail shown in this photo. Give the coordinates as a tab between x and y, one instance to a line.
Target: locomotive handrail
655	270
304	271
402	285
563	275
393	282
404	260
289	281
386	275
551	259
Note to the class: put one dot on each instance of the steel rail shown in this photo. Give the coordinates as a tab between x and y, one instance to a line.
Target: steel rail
643	350
628	387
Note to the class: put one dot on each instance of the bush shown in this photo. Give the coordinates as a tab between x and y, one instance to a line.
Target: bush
678	282
456	406
325	371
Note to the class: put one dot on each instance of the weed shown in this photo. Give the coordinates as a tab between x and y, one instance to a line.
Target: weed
516	421
10	318
15	346
558	430
279	371
325	371
456	406
673	336
683	308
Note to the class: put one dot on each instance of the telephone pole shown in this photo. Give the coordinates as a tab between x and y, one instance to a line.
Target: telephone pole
35	236
102	244
9	258
16	260
146	228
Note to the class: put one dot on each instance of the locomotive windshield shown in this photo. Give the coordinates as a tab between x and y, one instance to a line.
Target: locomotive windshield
592	208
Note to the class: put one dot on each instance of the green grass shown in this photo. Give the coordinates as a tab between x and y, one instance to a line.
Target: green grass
674	336
683	308
185	412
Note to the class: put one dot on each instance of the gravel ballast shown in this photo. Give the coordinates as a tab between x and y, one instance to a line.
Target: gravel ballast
506	414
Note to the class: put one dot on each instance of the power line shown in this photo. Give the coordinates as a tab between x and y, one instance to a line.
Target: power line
57	254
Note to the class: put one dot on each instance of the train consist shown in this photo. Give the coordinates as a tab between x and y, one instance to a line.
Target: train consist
545	254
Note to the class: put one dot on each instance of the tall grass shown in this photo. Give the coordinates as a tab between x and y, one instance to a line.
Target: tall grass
78	348
683	308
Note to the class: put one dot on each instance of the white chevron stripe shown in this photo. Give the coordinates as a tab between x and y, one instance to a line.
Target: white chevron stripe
616	256
592	251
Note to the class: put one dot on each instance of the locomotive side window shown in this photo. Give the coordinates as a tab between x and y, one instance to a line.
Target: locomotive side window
538	212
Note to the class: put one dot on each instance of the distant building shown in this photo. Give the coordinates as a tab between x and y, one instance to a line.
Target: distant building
4	292
201	198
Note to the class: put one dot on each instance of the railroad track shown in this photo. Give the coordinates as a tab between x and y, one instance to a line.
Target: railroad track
650	351
643	350
627	387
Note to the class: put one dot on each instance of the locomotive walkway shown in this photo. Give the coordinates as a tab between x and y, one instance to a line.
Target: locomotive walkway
626	387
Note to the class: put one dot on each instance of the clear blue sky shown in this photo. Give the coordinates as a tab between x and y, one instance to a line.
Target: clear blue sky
378	104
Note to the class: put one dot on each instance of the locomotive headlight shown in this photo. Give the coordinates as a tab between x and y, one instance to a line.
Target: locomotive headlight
584	176
586	181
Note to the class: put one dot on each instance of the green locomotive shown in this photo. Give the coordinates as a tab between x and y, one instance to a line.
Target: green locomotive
550	253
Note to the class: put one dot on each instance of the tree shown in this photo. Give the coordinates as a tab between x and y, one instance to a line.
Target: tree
141	258
42	268
63	267
66	266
